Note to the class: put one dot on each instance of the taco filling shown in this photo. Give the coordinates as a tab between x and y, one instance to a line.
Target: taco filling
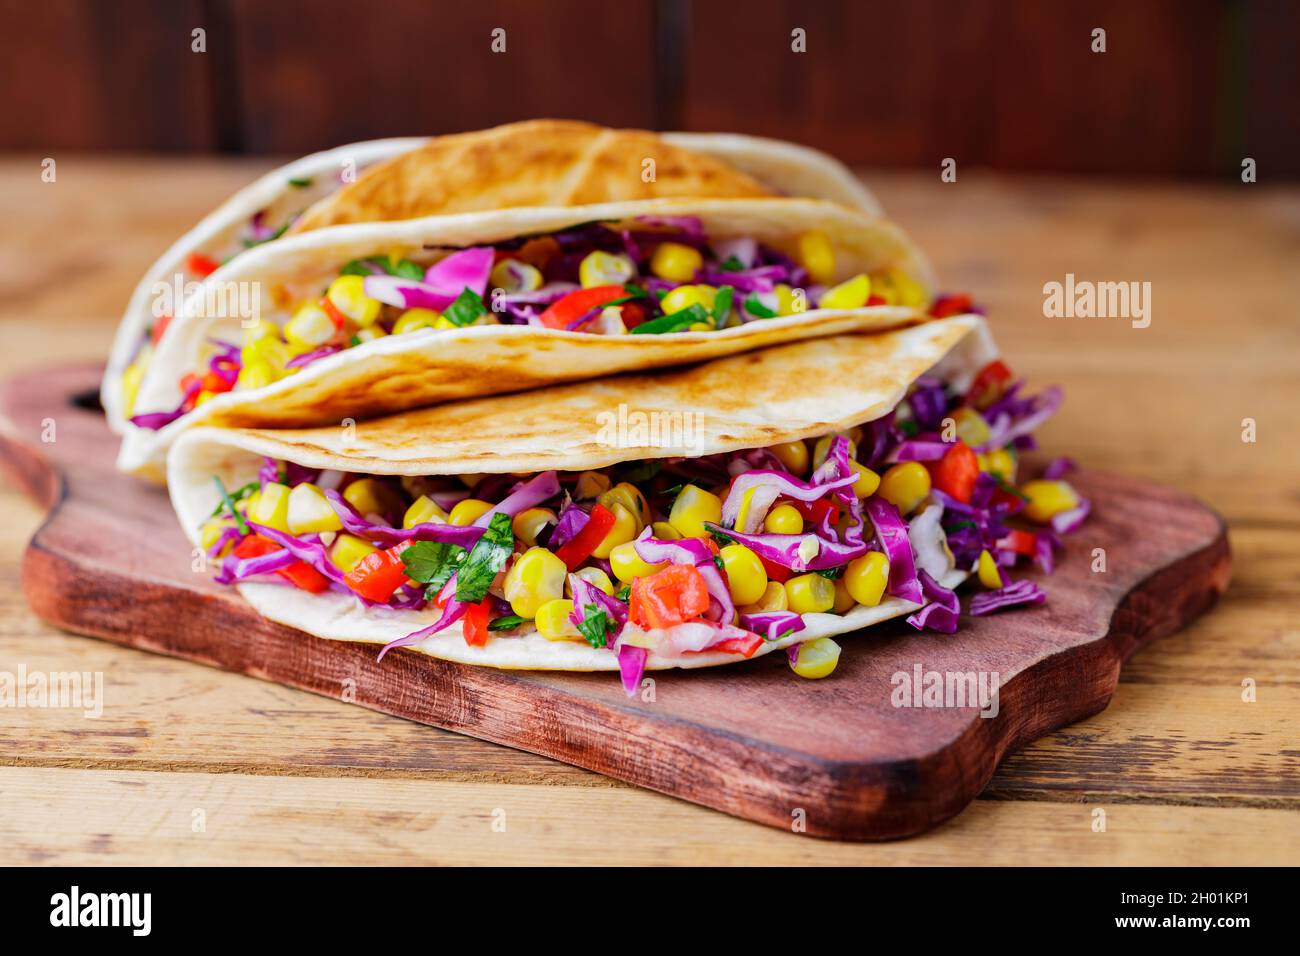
664	559
664	277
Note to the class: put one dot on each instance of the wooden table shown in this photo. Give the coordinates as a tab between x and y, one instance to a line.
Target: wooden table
191	765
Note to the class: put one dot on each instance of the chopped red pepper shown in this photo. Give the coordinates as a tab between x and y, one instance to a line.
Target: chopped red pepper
299	573
989	384
955	473
814	511
578	549
1021	542
633	315
775	572
474	623
201	265
669	597
874	299
332	310
378	574
950	305
739	645
578	303
159	328
212	382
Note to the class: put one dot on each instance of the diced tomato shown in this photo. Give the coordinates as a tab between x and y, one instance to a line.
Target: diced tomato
989	384
745	646
299	573
712	546
474	624
633	315
814	511
159	328
874	299
201	265
578	303
950	305
955	473
378	574
669	597
1021	542
332	310
578	549
775	572
212	382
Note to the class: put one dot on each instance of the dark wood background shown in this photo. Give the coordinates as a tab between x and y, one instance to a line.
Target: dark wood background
1186	87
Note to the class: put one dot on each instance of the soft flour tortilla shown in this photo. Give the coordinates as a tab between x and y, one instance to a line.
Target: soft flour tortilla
760	398
429	366
517	164
571	163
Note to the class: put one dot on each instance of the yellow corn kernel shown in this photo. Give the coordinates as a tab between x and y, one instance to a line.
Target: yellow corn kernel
844	599
868	481
348	295
630	497
347	551
593	576
685	296
810	594
850	294
905	485
131	380
691	509
700	327
627	564
970	426
413	320
211	531
536	578
309	511
424	510
624	529
989	574
591	484
816	659
271	507
371	497
866	577
243	506
907	290
1047	499
311	326
270	351
783	519
262	329
675	262
465	512
370	333
605	268
512	276
204	397
793	455
528	524
790	301
665	532
823	448
1000	462
553	621
773	599
746	577
817	256
256	375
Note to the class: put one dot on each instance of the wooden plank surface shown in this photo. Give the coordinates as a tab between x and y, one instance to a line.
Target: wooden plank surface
1186	771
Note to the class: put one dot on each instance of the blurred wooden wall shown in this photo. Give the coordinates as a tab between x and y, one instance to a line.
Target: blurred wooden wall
1186	87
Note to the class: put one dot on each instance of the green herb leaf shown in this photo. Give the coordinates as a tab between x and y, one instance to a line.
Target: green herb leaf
832	573
642	471
958	526
755	307
485	560
466	309
354	341
722	565
595	625
674	491
624	593
506	622
732	265
229	504
721	537
300	182
239	494
250	243
432	563
403	267
673	323
722	306
909	427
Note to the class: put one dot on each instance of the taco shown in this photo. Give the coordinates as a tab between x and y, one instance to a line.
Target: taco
362	320
535	163
698	517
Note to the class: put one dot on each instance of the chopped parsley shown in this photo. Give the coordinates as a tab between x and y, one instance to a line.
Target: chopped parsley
485	560
432	563
300	182
676	322
402	267
755	307
507	622
467	308
595	625
229	504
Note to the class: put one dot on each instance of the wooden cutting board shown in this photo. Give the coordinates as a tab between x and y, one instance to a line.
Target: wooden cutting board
833	758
